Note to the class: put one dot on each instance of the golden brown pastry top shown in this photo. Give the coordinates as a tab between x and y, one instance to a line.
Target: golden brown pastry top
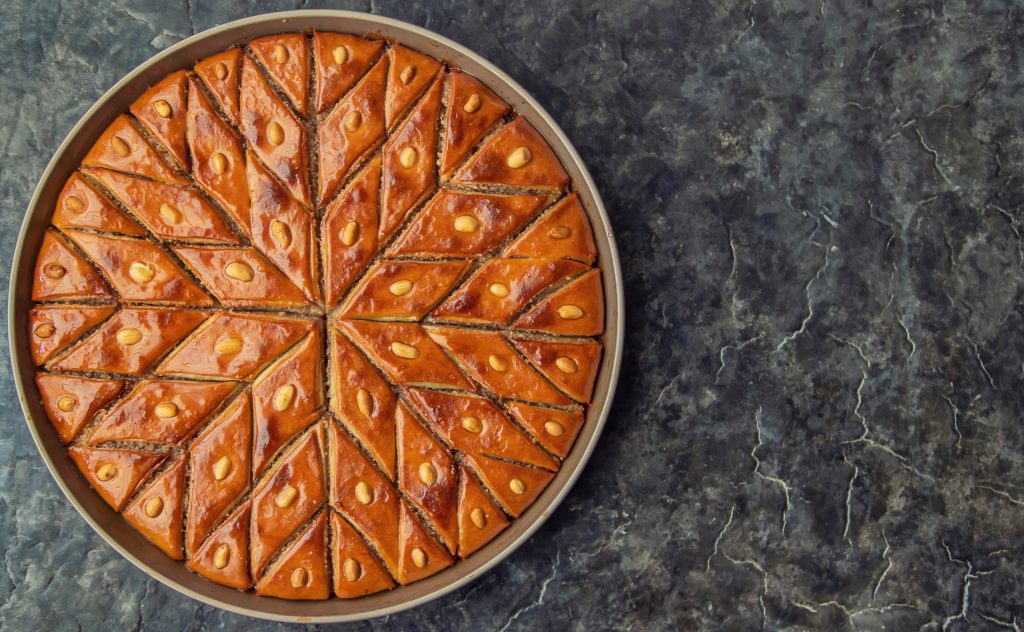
161	411
219	463
363	401
285	499
122	147
287	398
363	495
220	74
81	205
464	224
157	510
130	341
301	570
402	290
168	211
515	156
62	273
409	73
224	556
54	327
71	401
348	233
353	127
218	162
340	61
473	109
502	287
286	59
319	315
479	518
426	473
234	345
139	270
283	230
409	155
276	135
161	110
358	572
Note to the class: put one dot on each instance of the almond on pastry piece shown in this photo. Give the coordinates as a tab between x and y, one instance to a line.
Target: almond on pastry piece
464	224
273	133
161	411
473	110
562	231
501	287
363	401
301	570
515	156
235	345
480	520
130	341
123	148
363	495
223	557
348	236
351	130
218	162
406	353
140	270
410	72
287	396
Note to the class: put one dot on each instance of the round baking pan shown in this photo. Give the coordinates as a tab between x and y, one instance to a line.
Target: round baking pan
108	523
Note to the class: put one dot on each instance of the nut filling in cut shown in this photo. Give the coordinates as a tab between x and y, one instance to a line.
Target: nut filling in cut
320	315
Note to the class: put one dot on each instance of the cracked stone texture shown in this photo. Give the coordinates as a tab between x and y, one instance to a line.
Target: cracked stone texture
818	206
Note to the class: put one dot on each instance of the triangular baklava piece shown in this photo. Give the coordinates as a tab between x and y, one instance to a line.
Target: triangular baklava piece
123	148
115	473
515	156
218	469
288	495
472	110
301	570
55	327
161	110
71	401
286	58
157	511
357	571
340	61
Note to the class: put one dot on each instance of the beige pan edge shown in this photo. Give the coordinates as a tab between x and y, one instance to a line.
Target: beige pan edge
109	523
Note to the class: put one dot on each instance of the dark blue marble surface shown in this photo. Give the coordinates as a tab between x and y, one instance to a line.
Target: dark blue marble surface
819	209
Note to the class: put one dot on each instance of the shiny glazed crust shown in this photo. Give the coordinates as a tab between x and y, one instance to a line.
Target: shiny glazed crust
320	315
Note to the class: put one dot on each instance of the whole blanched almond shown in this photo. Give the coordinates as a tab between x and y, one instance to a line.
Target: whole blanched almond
352	570
221	556
284	397
519	158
